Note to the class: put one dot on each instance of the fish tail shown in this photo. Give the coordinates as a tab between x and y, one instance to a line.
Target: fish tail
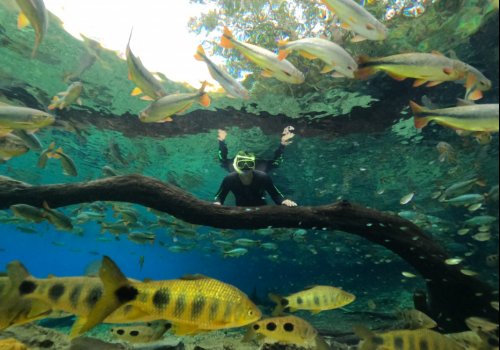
474	95
367	335
35	48
117	292
283	53
420	122
365	71
200	53
281	304
204	98
226	40
130	36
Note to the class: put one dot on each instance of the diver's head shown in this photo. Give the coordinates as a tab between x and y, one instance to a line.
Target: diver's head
244	162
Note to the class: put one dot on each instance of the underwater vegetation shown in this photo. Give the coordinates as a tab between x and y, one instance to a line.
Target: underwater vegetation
385	230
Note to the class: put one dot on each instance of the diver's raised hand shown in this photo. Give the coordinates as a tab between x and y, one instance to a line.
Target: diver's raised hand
221	135
287	135
289	203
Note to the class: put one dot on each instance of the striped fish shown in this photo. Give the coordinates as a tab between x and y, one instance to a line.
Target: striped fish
314	299
231	85
422	339
272	67
92	300
195	304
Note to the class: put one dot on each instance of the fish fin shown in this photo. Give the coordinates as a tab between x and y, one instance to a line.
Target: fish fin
417	110
267	74
117	292
365	73
196	277
434	83
397	76
185	329
79	101
363	332
52	107
166	120
419	82
320	343
46	205
471	81
17	273
137	91
225	41
200	53
345	26
22	21
282	42
281	303
462	102
38	309
358	39
327	69
437	53
338	75
475	95
313	312
205	100
283	54
307	55
420	123
147	98
448	70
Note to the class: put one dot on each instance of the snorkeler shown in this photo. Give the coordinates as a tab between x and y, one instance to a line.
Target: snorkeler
261	165
249	185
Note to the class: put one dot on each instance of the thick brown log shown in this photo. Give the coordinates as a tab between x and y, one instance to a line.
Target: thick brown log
453	296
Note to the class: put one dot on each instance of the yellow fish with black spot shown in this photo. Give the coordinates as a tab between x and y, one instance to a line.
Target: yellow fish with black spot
92	300
422	339
195	304
314	299
286	330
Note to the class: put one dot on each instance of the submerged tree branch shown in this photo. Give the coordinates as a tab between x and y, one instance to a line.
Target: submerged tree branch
453	295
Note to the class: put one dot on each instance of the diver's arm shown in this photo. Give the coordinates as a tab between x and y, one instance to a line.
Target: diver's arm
221	195
275	194
286	139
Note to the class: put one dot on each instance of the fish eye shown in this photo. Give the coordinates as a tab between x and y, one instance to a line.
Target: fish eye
251	313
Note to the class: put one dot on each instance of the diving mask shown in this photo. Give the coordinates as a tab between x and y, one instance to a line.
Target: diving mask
244	163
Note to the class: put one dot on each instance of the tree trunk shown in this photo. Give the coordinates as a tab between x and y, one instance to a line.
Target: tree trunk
453	296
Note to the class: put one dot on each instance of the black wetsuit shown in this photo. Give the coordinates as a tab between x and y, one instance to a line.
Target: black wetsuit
251	195
261	165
